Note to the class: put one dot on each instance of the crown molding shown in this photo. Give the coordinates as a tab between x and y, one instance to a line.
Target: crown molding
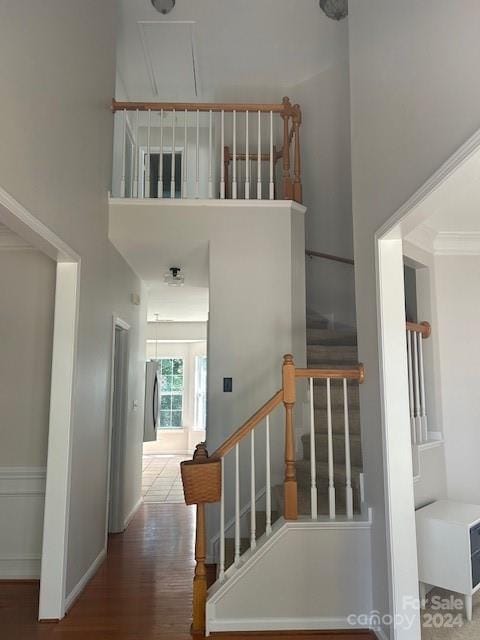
445	243
454	243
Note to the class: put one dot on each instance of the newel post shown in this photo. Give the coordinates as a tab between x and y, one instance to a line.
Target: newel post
200	575
297	181
287	181
289	397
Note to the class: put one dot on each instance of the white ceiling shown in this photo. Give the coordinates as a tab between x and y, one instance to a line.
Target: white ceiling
249	50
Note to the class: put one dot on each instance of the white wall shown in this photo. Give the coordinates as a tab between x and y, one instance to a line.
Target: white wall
256	293
459	318
55	159
173	331
414	101
179	441
326	177
309	578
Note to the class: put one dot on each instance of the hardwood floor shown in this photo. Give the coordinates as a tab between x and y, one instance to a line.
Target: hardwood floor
143	591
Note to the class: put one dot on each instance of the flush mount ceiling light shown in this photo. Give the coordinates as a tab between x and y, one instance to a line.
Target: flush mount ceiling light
163	6
174	277
335	9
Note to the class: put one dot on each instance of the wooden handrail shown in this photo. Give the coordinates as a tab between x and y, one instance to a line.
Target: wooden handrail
285	107
351	373
250	424
328	256
424	328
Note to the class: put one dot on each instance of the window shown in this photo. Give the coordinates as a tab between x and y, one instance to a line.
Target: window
170	371
200	392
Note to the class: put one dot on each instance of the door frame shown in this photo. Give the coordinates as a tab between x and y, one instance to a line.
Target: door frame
116	446
61	416
398	472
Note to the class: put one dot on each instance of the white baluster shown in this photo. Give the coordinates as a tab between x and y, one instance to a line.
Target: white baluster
185	156
197	158
237	506
124	152
160	160
313	456
210	176
222	156
410	388
247	160
253	514
331	479
234	158
135	162
147	168
271	185
348	464
423	407
259	158
172	167
221	574
268	490
416	389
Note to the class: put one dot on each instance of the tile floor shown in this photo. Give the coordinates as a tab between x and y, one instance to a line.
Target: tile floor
161	480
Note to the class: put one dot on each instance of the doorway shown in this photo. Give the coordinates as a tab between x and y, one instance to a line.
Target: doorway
119	387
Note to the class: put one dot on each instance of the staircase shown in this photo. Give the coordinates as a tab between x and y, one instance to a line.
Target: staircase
336	349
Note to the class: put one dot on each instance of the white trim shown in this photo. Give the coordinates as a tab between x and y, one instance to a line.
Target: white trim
445	243
85	579
22	222
406	212
403	221
119	519
214	202
453	243
281	624
132	513
22	481
57	492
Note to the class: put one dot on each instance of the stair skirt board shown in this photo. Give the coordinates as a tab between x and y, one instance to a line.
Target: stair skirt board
235	574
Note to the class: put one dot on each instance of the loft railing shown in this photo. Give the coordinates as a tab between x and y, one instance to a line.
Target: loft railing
416	333
208	150
205	480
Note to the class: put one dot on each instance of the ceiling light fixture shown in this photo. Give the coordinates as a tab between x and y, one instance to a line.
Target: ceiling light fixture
174	277
163	6
335	9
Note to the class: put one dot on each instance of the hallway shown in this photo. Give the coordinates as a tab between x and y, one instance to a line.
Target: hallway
143	591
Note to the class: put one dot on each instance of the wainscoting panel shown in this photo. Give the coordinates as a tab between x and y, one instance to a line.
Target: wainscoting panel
22	497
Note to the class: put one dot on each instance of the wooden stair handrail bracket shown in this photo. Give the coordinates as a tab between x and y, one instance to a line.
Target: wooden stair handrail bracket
425	328
289	398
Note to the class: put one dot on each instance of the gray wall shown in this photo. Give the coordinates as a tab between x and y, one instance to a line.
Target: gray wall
27	291
414	101
55	158
326	177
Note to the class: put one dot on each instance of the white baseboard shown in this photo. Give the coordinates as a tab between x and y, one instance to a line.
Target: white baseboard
85	579
23	568
129	517
280	624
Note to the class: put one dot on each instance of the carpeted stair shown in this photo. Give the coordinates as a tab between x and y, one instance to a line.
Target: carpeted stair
336	349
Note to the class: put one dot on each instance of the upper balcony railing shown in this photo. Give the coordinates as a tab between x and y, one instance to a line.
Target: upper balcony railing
207	150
